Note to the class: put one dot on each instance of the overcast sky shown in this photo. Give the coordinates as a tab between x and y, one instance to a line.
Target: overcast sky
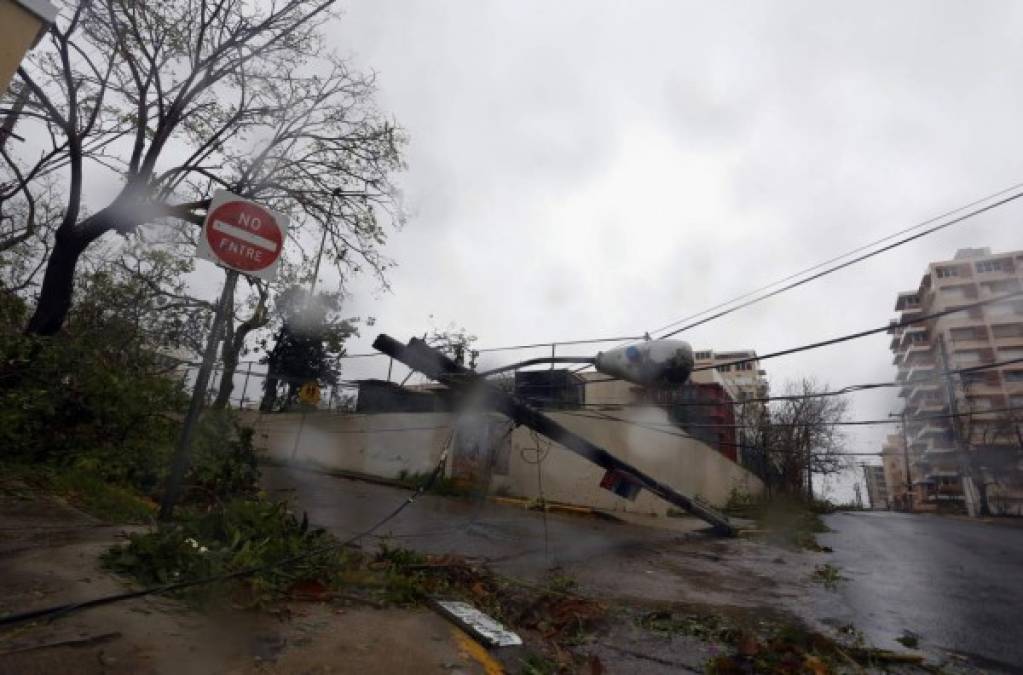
584	169
591	169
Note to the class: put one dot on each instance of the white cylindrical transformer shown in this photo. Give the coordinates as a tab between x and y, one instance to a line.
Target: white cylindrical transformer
650	363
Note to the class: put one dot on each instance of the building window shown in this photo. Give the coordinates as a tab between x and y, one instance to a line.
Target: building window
702	356
1011	330
945	272
1013	375
1002	265
724	369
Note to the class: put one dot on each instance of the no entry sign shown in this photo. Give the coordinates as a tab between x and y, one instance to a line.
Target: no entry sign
243	236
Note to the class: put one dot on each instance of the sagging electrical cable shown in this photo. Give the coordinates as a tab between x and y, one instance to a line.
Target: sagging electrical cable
865	333
835	268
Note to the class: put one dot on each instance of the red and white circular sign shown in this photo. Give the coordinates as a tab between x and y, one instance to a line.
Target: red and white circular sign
244	236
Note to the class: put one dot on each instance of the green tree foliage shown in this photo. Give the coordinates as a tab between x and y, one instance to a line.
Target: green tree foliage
102	403
92	394
307	345
175	99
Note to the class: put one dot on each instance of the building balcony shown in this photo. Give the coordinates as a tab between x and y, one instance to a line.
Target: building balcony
970	345
920	371
926	407
1009	342
913	390
937	453
930	431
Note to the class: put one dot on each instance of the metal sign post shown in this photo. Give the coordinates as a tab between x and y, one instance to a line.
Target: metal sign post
184	447
243	237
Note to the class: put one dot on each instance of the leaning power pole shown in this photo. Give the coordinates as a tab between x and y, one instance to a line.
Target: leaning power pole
965	469
621	477
905	457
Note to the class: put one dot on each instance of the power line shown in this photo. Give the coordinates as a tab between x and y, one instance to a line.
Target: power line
836	423
866	333
859	258
839	257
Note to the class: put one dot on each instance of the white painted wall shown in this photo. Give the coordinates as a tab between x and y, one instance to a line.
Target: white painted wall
377	445
388	443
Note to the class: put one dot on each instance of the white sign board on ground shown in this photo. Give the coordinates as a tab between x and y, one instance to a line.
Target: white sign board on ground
241	235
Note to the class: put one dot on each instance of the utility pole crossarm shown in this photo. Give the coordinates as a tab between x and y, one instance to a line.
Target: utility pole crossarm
418	355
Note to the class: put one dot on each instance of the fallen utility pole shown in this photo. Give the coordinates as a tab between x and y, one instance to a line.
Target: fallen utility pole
621	478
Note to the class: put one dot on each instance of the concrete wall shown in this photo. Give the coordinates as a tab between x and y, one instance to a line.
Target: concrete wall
385	444
21	22
689	466
379	445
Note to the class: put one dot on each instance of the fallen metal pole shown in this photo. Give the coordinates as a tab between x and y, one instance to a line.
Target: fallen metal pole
418	355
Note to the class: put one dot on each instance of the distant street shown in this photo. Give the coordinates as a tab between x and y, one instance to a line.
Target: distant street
957	584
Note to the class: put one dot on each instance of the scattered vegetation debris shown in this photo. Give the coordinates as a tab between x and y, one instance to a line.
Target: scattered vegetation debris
707	627
775	644
828	575
782	520
239	534
909	639
442	485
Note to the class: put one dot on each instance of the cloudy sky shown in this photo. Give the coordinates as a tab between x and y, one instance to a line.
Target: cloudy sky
594	169
585	169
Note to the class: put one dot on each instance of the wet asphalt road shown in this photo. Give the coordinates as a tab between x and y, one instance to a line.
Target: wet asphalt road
957	584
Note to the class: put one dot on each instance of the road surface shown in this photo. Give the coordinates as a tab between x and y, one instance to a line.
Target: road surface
958	584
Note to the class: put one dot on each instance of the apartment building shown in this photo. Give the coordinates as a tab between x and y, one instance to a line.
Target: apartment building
748	379
975	458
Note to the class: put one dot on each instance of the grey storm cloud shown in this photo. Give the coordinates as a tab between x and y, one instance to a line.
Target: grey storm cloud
582	169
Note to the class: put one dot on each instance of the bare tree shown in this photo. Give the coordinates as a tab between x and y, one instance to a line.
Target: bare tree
182	97
800	436
993	440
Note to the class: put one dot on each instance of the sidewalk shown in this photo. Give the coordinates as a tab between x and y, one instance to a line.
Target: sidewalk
49	555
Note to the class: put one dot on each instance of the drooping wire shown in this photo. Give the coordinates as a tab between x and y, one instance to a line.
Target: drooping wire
857	259
865	333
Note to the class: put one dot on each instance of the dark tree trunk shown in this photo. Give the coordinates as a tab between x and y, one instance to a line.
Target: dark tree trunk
269	394
234	341
59	279
230	360
58	285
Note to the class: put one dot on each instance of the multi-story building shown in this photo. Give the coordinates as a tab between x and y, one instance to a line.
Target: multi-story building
748	380
877	486
976	457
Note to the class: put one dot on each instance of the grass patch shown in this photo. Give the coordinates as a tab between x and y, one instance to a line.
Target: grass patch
783	520
444	486
81	487
828	575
